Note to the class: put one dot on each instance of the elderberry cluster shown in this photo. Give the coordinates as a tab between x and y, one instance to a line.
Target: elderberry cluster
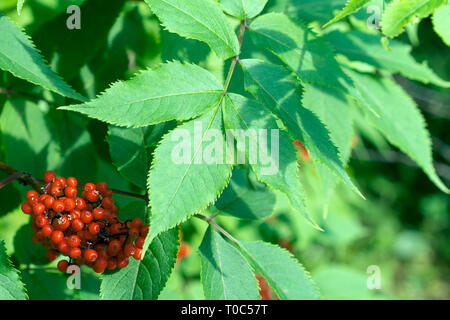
86	229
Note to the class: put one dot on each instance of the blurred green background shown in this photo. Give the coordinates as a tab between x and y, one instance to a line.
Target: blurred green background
402	227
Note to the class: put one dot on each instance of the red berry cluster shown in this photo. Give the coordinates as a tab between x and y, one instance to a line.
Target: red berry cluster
86	229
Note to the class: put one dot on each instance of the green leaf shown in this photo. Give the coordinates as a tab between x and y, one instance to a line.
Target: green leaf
312	10
285	275
400	13
280	92
225	274
144	279
198	19
243	9
19	56
250	117
363	47
244	201
351	7
172	91
185	176
399	120
332	108
11	287
130	147
310	57
20	4
441	23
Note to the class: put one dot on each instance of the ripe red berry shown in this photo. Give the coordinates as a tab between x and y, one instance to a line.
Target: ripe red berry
94	228
58	206
52	255
114	247
69	204
99	213
77	225
92	196
72	182
139	242
62	223
102	187
49	176
101	263
115	228
129	250
56	189
64	247
63	265
80	203
112	263
134	232
75	253
32	195
138	254
48	202
90	255
39	208
86	216
70	192
122	263
62	181
27	208
107	202
89	187
47	230
136	223
41	221
73	241
57	236
75	214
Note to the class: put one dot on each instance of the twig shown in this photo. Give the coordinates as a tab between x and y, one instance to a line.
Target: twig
218	227
241	33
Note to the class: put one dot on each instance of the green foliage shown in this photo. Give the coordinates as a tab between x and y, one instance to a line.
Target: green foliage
198	19
144	280
351	7
19	56
181	182
155	96
234	133
243	8
11	288
225	273
400	13
441	18
284	274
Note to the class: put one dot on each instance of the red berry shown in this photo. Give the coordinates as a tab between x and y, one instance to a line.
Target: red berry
73	241
101	263
62	181
102	187
72	182
80	203
75	253
63	265
70	192
89	187
62	223
64	247
136	223
107	202
90	255
114	247
77	225
92	196
86	216
99	214
57	236
115	228
112	263
41	221
75	214
58	206
47	230
39	208
134	232
27	208
94	228
49	176
69	204
48	202
52	255
56	189
32	195
129	250
139	242
138	254
122	263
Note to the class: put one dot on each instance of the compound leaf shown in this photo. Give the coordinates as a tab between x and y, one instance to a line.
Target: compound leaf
198	19
144	279
172	91
225	273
